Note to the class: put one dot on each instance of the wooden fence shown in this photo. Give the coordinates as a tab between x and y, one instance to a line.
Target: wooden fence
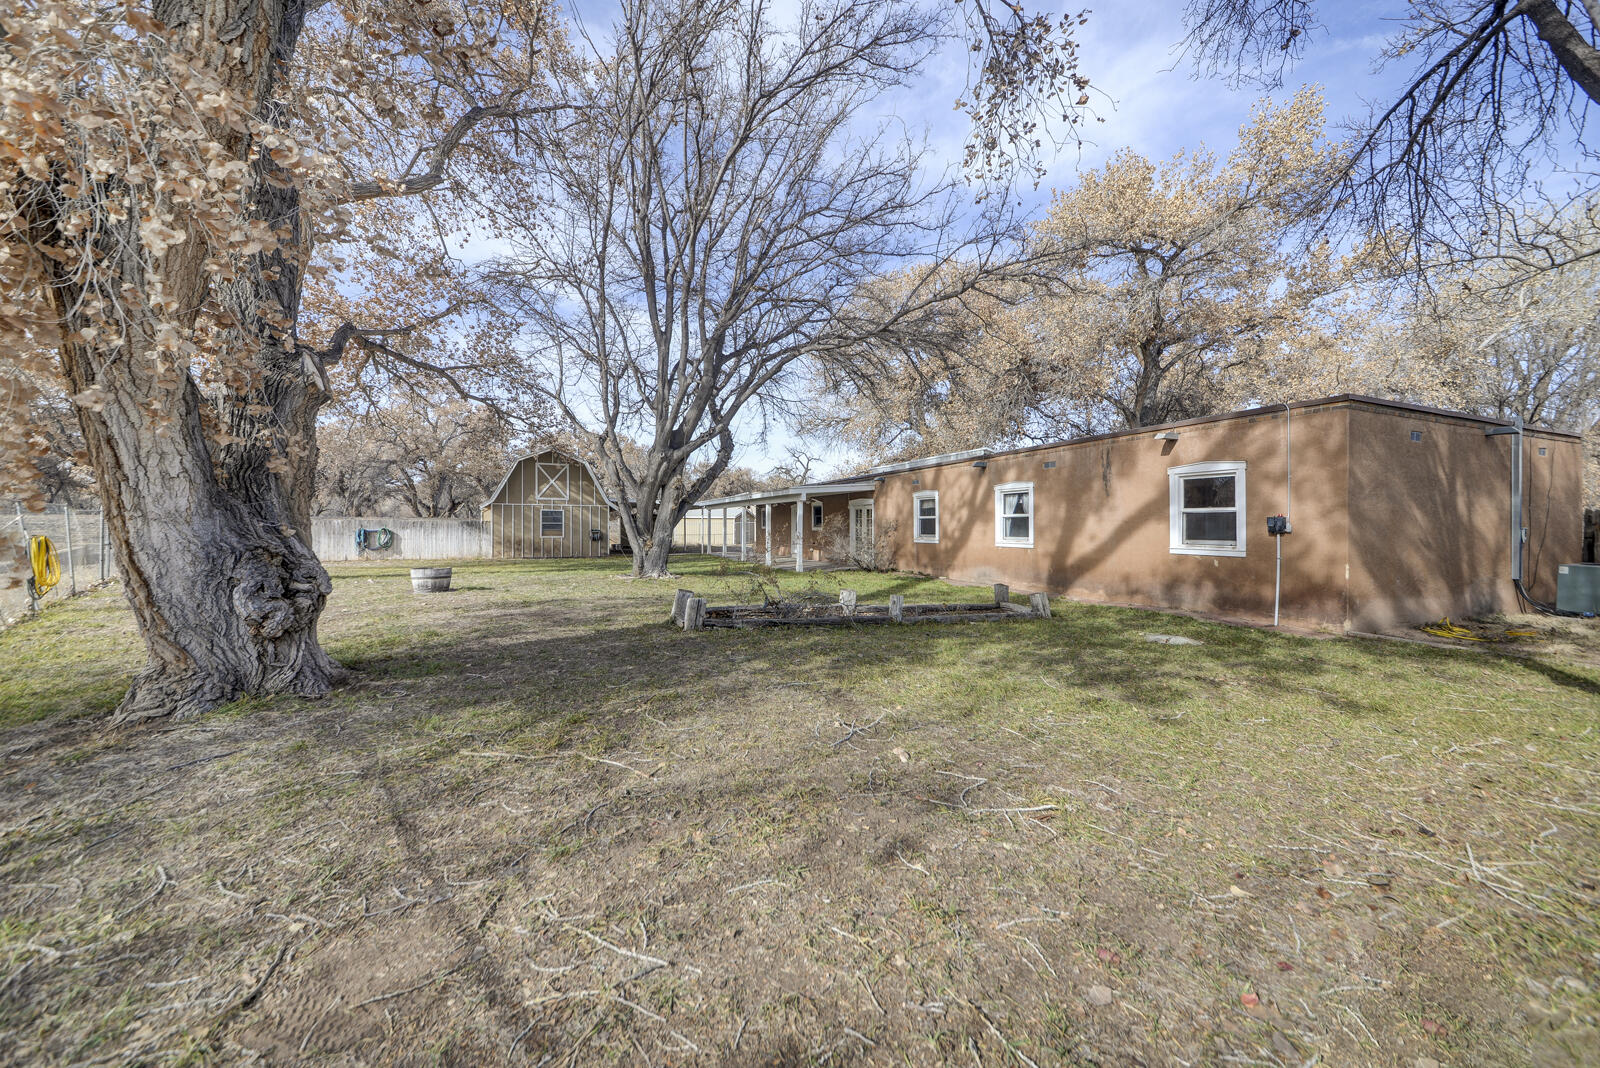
333	538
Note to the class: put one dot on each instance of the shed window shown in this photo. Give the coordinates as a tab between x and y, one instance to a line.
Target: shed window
926	508
1207	508
1013	514
816	515
552	522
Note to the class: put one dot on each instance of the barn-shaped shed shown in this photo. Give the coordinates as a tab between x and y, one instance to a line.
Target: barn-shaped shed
550	504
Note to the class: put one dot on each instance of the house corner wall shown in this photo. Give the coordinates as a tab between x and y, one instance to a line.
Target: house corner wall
1431	518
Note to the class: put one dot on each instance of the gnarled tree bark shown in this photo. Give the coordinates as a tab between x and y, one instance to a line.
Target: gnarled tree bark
213	544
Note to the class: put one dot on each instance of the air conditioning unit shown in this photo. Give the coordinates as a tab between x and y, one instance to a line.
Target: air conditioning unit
1578	588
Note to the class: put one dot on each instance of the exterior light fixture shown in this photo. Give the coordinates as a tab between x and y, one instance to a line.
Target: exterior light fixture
880	480
1166	435
980	464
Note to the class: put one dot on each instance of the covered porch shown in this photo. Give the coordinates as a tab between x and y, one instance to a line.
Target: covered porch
823	525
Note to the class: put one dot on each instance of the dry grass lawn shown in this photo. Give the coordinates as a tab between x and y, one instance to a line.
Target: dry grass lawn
543	827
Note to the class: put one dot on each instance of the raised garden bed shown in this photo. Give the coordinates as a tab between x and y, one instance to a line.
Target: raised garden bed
692	613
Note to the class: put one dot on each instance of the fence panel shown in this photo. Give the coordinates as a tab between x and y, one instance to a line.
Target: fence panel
80	546
333	538
85	552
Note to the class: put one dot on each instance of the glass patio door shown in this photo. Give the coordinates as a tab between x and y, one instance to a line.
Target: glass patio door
861	541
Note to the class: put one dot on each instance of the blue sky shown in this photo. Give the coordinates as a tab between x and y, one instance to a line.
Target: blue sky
1142	86
1151	101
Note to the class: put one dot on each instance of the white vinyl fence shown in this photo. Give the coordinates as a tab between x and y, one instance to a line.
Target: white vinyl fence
333	538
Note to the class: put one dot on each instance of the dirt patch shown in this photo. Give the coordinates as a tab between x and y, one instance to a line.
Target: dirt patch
342	988
1568	639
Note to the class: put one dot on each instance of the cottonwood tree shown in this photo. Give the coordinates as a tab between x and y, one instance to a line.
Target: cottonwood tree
971	378
1179	282
40	431
732	480
1511	340
432	456
170	170
1496	94
1166	291
64	477
1506	338
706	220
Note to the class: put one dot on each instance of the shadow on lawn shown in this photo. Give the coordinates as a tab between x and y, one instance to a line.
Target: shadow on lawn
1085	657
1559	676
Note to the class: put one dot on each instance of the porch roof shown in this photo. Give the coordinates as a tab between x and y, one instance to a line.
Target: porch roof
791	493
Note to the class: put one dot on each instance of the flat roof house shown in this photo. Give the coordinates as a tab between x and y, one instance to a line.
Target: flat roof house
798	526
1399	513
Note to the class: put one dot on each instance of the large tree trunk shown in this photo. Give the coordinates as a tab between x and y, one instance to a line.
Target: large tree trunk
649	530
652	562
213	543
225	589
650	559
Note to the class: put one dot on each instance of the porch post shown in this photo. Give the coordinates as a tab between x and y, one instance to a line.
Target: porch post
767	539
744	532
705	530
797	538
722	550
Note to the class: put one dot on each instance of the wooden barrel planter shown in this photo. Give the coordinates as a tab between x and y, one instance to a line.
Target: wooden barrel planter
430	579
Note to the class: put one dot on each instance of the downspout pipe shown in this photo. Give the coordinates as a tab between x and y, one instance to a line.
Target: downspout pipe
1519	533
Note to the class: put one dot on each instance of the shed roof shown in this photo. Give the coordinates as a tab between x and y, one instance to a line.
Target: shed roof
600	487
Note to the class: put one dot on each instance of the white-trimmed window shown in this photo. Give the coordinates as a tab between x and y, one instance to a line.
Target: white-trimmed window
816	515
1013	514
925	514
1207	508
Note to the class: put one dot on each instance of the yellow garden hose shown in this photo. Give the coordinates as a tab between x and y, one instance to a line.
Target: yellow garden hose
1446	629
46	568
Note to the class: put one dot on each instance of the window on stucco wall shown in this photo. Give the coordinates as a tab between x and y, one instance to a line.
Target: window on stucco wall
1206	506
1013	514
925	508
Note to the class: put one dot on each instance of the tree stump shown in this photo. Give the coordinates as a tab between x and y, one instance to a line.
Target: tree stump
680	601
1002	593
897	607
847	600
1040	602
694	614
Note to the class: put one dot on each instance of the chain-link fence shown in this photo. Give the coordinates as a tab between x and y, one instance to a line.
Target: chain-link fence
81	546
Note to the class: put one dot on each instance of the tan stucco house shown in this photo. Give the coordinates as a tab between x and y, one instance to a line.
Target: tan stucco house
1399	513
